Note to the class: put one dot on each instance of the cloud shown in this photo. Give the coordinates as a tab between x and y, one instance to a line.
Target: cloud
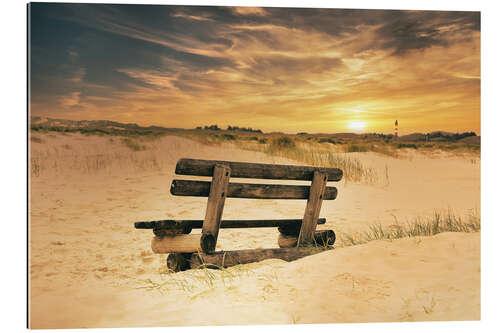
70	101
192	17
250	11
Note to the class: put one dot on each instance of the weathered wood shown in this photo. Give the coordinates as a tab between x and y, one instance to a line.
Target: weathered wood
232	258
176	244
215	207
313	207
194	167
320	238
197	224
290	229
171	231
198	188
178	261
287	241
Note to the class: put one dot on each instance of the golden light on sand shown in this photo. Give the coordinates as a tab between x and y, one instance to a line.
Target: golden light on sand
357	125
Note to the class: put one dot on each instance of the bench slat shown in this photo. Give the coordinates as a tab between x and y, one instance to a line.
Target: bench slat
198	188
195	167
180	224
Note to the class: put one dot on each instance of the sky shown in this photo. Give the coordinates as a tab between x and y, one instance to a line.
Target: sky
275	69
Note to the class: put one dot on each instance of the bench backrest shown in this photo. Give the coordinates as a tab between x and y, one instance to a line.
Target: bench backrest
219	188
205	168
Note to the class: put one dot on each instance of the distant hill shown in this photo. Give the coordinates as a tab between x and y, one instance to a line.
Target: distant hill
476	140
94	126
116	128
413	137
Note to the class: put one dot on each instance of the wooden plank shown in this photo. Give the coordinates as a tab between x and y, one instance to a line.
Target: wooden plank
313	207
176	244
197	224
195	167
215	207
320	238
197	188
232	258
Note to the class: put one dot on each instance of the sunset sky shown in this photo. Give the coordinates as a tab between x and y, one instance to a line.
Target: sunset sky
276	69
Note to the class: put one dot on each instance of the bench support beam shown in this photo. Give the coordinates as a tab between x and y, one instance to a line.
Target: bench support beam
313	207
215	207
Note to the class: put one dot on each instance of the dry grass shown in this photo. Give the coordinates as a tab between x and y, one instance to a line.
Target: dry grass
92	157
429	226
143	153
133	144
196	280
35	139
316	155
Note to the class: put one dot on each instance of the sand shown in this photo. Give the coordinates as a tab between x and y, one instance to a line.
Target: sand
90	268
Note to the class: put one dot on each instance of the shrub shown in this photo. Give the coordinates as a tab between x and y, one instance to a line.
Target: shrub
406	145
354	148
283	142
328	140
228	137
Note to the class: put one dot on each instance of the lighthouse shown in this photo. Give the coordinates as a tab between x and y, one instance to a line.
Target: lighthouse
396	129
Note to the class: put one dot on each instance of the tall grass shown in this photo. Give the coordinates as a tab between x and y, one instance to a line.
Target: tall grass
314	155
306	152
356	148
438	223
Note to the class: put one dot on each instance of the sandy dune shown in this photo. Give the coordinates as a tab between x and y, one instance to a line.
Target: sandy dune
86	259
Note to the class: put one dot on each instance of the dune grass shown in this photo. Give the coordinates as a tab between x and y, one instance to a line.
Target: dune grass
93	157
196	280
36	139
143	153
438	223
315	155
132	144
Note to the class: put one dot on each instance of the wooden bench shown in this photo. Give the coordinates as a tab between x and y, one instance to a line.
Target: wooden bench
298	237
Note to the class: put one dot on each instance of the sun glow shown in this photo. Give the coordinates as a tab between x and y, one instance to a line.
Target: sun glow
357	125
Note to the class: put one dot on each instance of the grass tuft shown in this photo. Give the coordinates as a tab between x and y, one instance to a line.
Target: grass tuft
438	223
133	144
356	148
283	142
36	139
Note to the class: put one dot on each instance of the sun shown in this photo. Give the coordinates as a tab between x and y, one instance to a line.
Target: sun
357	125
